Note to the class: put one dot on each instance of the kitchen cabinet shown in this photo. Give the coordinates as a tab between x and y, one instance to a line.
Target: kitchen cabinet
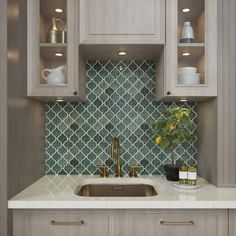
52	45
232	220
121	222
217	117
201	52
133	27
122	22
174	222
61	223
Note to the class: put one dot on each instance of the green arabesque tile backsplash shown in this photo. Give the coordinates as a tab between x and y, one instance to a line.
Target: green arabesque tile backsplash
120	103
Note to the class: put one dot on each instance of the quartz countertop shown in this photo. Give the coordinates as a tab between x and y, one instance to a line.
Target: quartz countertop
58	192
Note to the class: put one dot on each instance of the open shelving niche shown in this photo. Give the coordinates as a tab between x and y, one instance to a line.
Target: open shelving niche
196	50
48	59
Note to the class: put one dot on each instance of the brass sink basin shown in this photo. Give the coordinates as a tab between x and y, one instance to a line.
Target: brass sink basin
116	190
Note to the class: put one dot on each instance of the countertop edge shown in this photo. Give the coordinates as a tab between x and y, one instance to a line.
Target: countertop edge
123	205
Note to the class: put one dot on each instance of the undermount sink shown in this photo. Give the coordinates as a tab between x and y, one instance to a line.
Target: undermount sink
116	188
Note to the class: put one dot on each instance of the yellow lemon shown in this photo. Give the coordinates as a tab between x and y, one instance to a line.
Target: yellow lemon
158	140
185	113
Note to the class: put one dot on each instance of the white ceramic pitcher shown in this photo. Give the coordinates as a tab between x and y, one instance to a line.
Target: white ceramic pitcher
55	76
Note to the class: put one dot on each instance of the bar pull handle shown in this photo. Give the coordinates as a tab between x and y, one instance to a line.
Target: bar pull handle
163	222
81	222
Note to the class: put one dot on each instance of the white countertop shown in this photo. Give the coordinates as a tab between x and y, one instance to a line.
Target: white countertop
57	192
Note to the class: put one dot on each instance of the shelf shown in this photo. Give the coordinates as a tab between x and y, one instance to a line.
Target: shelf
191	44
191	85
53	45
52	85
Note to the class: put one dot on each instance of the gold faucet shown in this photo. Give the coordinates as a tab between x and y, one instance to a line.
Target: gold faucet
118	170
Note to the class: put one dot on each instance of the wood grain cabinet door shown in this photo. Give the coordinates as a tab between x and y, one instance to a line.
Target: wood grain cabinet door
232	222
60	223
122	21
175	223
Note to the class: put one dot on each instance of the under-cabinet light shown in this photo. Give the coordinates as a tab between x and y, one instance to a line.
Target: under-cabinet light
58	54
185	10
59	100
59	10
122	53
183	100
185	54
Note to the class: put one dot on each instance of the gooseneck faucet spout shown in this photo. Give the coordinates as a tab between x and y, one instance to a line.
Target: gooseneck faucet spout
116	142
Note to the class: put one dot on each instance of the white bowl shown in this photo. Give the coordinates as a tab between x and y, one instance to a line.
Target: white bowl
189	79
187	70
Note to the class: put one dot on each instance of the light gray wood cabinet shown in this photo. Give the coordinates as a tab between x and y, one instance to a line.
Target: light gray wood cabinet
43	53
174	222
61	223
122	21
217	118
121	222
201	53
232	221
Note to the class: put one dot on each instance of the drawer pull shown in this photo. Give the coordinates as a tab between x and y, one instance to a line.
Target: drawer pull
81	222
162	222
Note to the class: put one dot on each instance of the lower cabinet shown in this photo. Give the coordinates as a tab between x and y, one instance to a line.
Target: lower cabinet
232	222
60	223
174	223
121	222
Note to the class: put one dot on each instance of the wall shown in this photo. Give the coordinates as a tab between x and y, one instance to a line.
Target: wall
24	139
3	118
120	103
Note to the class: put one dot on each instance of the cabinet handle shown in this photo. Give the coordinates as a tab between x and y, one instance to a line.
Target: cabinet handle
162	222
75	93
81	222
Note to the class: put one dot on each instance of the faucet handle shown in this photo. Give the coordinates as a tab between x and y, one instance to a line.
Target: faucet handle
103	170
133	172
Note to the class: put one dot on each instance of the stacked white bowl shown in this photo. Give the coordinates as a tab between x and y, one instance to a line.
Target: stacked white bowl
188	76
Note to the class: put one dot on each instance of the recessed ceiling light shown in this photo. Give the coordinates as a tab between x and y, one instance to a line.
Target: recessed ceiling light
186	10
185	54
122	53
58	54
183	100
59	100
59	10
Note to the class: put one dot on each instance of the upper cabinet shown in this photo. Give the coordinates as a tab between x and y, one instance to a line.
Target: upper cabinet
122	21
181	35
135	28
187	68
55	68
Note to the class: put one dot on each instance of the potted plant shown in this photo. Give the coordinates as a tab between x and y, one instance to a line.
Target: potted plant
171	129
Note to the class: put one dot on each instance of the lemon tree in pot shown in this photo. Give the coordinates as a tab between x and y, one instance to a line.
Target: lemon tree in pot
171	129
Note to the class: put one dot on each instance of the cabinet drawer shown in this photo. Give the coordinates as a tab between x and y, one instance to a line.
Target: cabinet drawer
176	222
60	223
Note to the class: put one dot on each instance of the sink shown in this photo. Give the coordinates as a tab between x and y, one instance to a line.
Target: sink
116	189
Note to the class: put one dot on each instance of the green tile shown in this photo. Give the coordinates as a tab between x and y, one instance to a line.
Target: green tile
120	102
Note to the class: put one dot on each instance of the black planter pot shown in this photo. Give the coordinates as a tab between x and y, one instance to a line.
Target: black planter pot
172	172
